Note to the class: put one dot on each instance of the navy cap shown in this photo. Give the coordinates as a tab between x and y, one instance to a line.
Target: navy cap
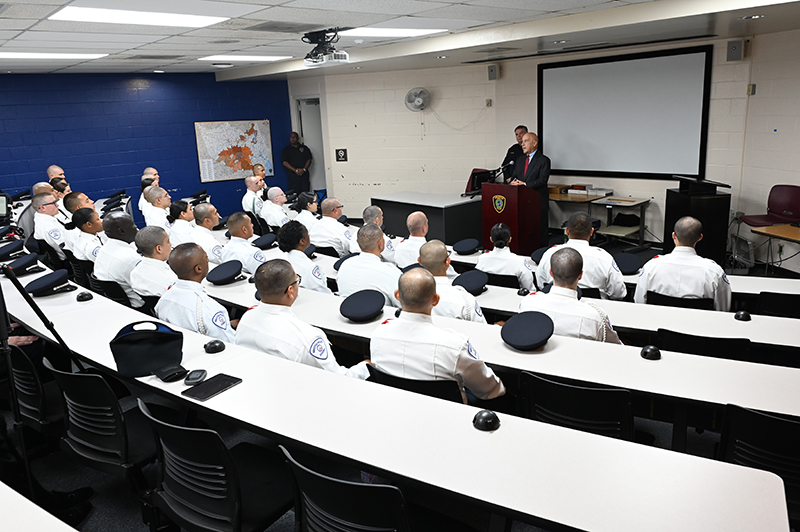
112	203
468	246
264	242
227	234
340	261
12	250
536	256
473	281
343	220
25	265
116	209
411	267
628	263
52	283
362	306
5	230
226	273
309	251
527	331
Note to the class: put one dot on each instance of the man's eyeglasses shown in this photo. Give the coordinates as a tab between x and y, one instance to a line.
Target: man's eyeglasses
296	281
448	252
46	204
339	206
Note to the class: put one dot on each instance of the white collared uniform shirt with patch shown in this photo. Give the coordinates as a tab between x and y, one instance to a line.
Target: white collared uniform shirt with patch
387	255
152	277
412	347
47	228
252	202
600	270
573	317
312	275
186	304
328	232
307	218
274	214
275	330
157	217
180	232
240	249
86	246
501	261
683	273
368	271
456	302
406	253
205	239
114	262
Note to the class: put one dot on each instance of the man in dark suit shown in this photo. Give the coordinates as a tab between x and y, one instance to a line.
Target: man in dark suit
533	171
513	153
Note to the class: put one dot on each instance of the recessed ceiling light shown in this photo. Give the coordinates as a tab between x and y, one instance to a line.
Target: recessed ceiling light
222	65
124	16
356	68
560	42
29	55
223	41
245	58
752	17
441	57
158	71
387	32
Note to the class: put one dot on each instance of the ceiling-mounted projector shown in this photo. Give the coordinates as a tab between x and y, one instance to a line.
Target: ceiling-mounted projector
324	51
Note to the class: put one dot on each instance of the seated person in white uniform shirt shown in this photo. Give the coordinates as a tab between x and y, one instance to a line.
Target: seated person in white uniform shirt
272	211
251	201
273	328
577	318
206	218
454	301
46	226
501	261
77	200
412	347
599	268
407	250
366	270
147	182
293	240
186	303
238	248
180	218
160	201
60	189
306	208
328	232
374	215
117	257
90	237
683	273
152	275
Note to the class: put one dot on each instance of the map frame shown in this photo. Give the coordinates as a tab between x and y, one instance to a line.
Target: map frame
264	126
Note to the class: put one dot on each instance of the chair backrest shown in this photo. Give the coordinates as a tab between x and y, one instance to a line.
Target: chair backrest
604	411
763	441
259	225
682	302
325	503
197	476
113	291
78	271
31	398
129	207
48	254
149	306
94	284
496	279
591	293
446	389
784	202
327	250
775	304
730	348
25	222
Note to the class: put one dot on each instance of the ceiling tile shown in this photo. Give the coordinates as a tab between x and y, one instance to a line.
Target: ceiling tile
27	11
95	27
385	7
50	36
489	14
65	47
16	24
242	36
327	19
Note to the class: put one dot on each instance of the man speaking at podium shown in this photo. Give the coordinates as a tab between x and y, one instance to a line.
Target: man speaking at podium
533	171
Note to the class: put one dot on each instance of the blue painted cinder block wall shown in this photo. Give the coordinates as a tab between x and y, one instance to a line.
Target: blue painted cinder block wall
104	129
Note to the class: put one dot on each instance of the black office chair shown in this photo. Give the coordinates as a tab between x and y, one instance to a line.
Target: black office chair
259	225
682	302
149	306
48	255
111	289
204	486
327	250
776	304
591	293
730	348
509	281
79	273
446	389
764	441
603	411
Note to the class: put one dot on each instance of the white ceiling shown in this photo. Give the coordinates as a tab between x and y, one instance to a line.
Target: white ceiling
477	28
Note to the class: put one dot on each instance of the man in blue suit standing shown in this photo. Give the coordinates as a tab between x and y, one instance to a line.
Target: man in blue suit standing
533	171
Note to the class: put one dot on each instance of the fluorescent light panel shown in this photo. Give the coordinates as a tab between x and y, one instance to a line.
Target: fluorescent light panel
29	55
245	58
143	18
388	32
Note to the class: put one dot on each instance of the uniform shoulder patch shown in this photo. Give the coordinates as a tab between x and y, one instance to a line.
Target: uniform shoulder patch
348	235
55	234
259	256
478	309
220	320
472	352
725	278
217	251
95	251
318	349
316	272
389	245
527	264
614	265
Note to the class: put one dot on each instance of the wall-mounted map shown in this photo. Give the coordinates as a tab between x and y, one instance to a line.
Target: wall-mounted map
228	150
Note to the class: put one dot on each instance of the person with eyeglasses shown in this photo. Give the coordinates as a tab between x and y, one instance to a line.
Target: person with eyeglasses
454	301
160	201
272	211
271	327
46	226
186	303
366	270
329	232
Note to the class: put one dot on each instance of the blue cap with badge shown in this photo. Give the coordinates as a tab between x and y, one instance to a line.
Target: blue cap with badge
52	283
339	262
12	250
527	331
25	265
362	306
473	281
265	241
468	246
226	273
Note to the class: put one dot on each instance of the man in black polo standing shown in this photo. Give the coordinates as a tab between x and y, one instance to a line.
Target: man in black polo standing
296	158
513	153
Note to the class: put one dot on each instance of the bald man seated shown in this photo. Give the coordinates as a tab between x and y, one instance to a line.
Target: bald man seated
152	276
328	232
239	248
186	303
454	301
251	201
366	270
272	211
160	201
272	327
116	259
683	273
573	317
150	177
412	347
374	215
407	251
206	218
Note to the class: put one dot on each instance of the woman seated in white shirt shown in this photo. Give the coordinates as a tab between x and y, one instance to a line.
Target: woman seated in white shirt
501	261
181	216
306	206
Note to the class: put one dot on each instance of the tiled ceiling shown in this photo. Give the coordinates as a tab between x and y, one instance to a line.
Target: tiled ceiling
275	27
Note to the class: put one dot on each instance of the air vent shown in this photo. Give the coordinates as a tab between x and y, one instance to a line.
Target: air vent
223	41
496	50
284	27
154	57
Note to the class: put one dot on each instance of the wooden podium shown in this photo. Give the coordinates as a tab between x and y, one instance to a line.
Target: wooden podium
519	207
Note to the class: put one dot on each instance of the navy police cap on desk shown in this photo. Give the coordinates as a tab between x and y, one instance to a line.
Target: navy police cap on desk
52	283
25	265
226	273
362	306
473	281
527	331
12	250
265	241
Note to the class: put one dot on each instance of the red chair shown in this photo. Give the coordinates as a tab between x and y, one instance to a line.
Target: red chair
783	207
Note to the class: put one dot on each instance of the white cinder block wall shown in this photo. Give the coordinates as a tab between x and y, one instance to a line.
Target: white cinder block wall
392	149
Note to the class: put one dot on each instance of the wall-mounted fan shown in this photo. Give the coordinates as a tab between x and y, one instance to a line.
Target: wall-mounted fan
418	99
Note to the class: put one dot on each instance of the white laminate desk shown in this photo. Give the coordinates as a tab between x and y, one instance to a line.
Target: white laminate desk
21	515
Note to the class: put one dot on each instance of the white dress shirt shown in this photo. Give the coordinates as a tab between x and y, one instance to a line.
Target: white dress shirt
456	302
205	239
114	262
368	271
683	273
49	229
86	246
63	214
311	274
274	214
328	232
252	202
240	249
157	217
412	347
387	255
180	232
573	317
407	251
186	304
501	261
307	218
600	270
152	277
275	330
143	203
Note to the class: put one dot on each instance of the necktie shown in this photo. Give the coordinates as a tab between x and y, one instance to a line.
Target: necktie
527	160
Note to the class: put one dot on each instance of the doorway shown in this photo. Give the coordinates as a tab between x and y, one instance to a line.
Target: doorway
310	125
